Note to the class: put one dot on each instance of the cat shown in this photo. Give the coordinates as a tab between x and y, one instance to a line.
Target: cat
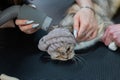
104	11
6	77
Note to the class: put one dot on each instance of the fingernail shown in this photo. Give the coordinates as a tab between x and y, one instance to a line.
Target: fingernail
35	25
32	5
29	21
75	33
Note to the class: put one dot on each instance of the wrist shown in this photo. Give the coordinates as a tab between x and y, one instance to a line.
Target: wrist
84	3
87	7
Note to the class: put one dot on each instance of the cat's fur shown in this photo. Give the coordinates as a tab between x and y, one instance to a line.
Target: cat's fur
104	11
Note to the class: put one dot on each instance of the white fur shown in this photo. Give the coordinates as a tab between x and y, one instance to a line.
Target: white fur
82	45
86	44
6	77
112	46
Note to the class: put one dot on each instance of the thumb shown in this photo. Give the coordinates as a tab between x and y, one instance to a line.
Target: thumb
76	26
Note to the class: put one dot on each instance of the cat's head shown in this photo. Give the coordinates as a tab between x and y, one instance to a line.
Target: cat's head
59	43
63	53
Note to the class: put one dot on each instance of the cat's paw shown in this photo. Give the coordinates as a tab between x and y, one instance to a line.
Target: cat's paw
6	77
112	46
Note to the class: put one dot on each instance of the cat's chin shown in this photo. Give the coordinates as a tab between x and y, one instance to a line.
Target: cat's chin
63	59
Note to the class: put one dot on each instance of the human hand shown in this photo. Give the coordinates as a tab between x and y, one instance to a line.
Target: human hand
112	34
85	25
27	26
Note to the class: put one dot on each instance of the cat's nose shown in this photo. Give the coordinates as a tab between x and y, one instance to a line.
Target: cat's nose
63	53
66	57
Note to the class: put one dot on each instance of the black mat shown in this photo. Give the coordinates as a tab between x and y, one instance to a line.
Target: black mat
97	63
20	57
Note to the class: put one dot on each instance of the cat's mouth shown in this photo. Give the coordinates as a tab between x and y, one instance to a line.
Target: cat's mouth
64	58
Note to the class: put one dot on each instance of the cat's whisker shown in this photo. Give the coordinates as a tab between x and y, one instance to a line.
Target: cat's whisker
74	60
81	58
77	60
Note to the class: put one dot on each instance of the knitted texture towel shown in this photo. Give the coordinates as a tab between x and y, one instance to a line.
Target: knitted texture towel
55	39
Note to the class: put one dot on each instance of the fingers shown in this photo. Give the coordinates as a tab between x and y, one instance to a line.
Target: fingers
27	26
112	35
107	38
116	39
23	22
27	29
78	29
87	32
76	25
85	26
76	22
88	36
94	34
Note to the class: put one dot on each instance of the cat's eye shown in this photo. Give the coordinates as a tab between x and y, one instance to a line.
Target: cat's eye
68	49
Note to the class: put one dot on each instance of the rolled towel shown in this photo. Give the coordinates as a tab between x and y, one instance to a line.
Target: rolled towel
55	39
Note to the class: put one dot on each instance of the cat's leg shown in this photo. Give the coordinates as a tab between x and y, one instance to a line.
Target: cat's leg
6	77
104	20
103	15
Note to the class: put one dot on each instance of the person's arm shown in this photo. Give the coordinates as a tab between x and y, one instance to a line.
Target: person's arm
26	26
84	21
84	3
9	24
